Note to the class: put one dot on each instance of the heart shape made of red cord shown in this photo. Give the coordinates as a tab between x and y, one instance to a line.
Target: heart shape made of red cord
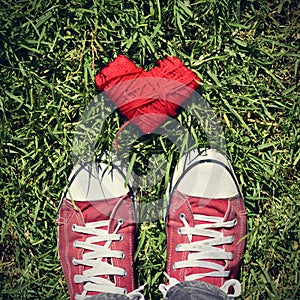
147	98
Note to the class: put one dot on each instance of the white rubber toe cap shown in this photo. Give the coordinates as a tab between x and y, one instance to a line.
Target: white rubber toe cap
95	182
208	175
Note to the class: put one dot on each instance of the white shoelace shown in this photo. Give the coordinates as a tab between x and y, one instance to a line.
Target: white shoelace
93	259
205	250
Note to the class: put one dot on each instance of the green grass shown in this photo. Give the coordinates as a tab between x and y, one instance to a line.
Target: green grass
246	53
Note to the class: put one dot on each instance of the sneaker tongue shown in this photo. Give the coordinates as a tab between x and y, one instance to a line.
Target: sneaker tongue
209	207
94	211
214	208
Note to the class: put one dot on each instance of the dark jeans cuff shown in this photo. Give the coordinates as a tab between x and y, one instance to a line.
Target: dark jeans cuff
195	290
109	296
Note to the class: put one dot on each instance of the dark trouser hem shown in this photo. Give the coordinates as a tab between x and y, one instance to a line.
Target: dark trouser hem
108	296
186	290
195	290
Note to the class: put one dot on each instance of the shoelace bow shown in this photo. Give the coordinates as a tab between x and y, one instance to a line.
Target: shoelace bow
93	259
205	250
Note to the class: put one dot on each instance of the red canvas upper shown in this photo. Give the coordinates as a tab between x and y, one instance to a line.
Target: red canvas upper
112	209
228	209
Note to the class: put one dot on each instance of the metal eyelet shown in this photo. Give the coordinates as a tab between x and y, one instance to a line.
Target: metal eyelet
174	268
123	255
121	221
232	239
121	237
235	221
182	216
179	231
124	290
73	227
176	248
125	274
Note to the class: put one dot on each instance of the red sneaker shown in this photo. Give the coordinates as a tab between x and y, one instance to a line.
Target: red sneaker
205	224
96	227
